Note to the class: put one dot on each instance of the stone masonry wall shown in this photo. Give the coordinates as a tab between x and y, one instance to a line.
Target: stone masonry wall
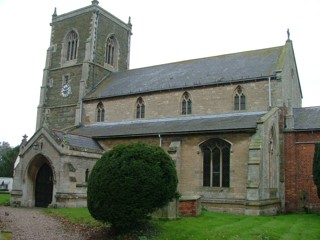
191	163
107	28
205	101
85	71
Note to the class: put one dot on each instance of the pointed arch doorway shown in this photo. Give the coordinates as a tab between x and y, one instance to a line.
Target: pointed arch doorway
44	186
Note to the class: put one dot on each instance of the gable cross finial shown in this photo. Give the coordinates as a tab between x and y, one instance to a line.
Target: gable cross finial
95	2
24	138
129	22
288	33
55	12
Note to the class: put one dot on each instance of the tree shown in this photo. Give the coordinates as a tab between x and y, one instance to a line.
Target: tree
3	146
316	167
129	182
8	156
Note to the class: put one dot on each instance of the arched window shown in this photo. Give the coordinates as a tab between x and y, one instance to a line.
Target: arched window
72	41
100	112
186	104
111	48
140	108
216	163
239	99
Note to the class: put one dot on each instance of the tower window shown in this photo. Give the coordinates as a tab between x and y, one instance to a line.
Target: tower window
110	50
100	112
186	104
72	45
66	79
239	99
140	108
50	82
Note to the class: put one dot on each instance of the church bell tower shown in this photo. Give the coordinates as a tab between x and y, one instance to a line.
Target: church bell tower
85	46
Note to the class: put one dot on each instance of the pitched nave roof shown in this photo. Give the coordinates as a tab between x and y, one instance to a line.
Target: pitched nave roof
236	67
245	121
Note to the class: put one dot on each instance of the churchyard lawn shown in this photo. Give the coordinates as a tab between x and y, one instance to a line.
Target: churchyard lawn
4	199
217	226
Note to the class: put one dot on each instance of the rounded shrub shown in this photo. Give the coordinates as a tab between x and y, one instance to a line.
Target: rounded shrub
129	182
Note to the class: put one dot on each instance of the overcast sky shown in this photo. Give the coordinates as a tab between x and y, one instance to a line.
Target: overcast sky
163	31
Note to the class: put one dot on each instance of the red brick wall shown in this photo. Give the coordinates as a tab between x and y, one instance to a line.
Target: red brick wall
299	151
189	207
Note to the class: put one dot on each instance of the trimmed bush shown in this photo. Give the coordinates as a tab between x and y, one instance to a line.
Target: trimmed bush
129	182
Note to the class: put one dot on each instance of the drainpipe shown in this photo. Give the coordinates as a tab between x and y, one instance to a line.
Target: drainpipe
160	140
269	83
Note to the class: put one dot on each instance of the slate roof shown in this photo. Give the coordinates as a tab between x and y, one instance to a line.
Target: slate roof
75	141
195	124
243	66
306	118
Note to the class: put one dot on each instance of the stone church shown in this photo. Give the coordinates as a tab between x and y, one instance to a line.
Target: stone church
220	118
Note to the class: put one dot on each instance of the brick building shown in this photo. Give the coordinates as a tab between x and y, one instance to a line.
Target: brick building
301	134
218	117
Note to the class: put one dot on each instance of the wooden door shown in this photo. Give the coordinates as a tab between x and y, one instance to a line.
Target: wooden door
44	186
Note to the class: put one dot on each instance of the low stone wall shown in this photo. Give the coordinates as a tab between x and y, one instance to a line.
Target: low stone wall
242	206
168	212
70	200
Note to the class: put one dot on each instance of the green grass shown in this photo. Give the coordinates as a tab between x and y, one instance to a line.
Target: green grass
227	226
5	235
4	199
220	226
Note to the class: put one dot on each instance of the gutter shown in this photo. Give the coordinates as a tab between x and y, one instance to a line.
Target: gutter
246	130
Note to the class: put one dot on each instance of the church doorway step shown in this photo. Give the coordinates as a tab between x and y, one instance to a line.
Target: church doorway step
44	186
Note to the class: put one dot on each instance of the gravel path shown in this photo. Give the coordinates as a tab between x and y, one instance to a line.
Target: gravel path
31	224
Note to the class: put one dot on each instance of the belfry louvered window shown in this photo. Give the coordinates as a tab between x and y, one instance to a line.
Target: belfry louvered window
110	51
72	46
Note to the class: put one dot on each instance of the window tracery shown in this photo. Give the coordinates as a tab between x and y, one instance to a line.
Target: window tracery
186	104
72	45
100	112
239	99
140	108
216	163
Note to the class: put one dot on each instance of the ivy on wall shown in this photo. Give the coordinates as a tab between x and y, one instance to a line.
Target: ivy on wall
316	167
